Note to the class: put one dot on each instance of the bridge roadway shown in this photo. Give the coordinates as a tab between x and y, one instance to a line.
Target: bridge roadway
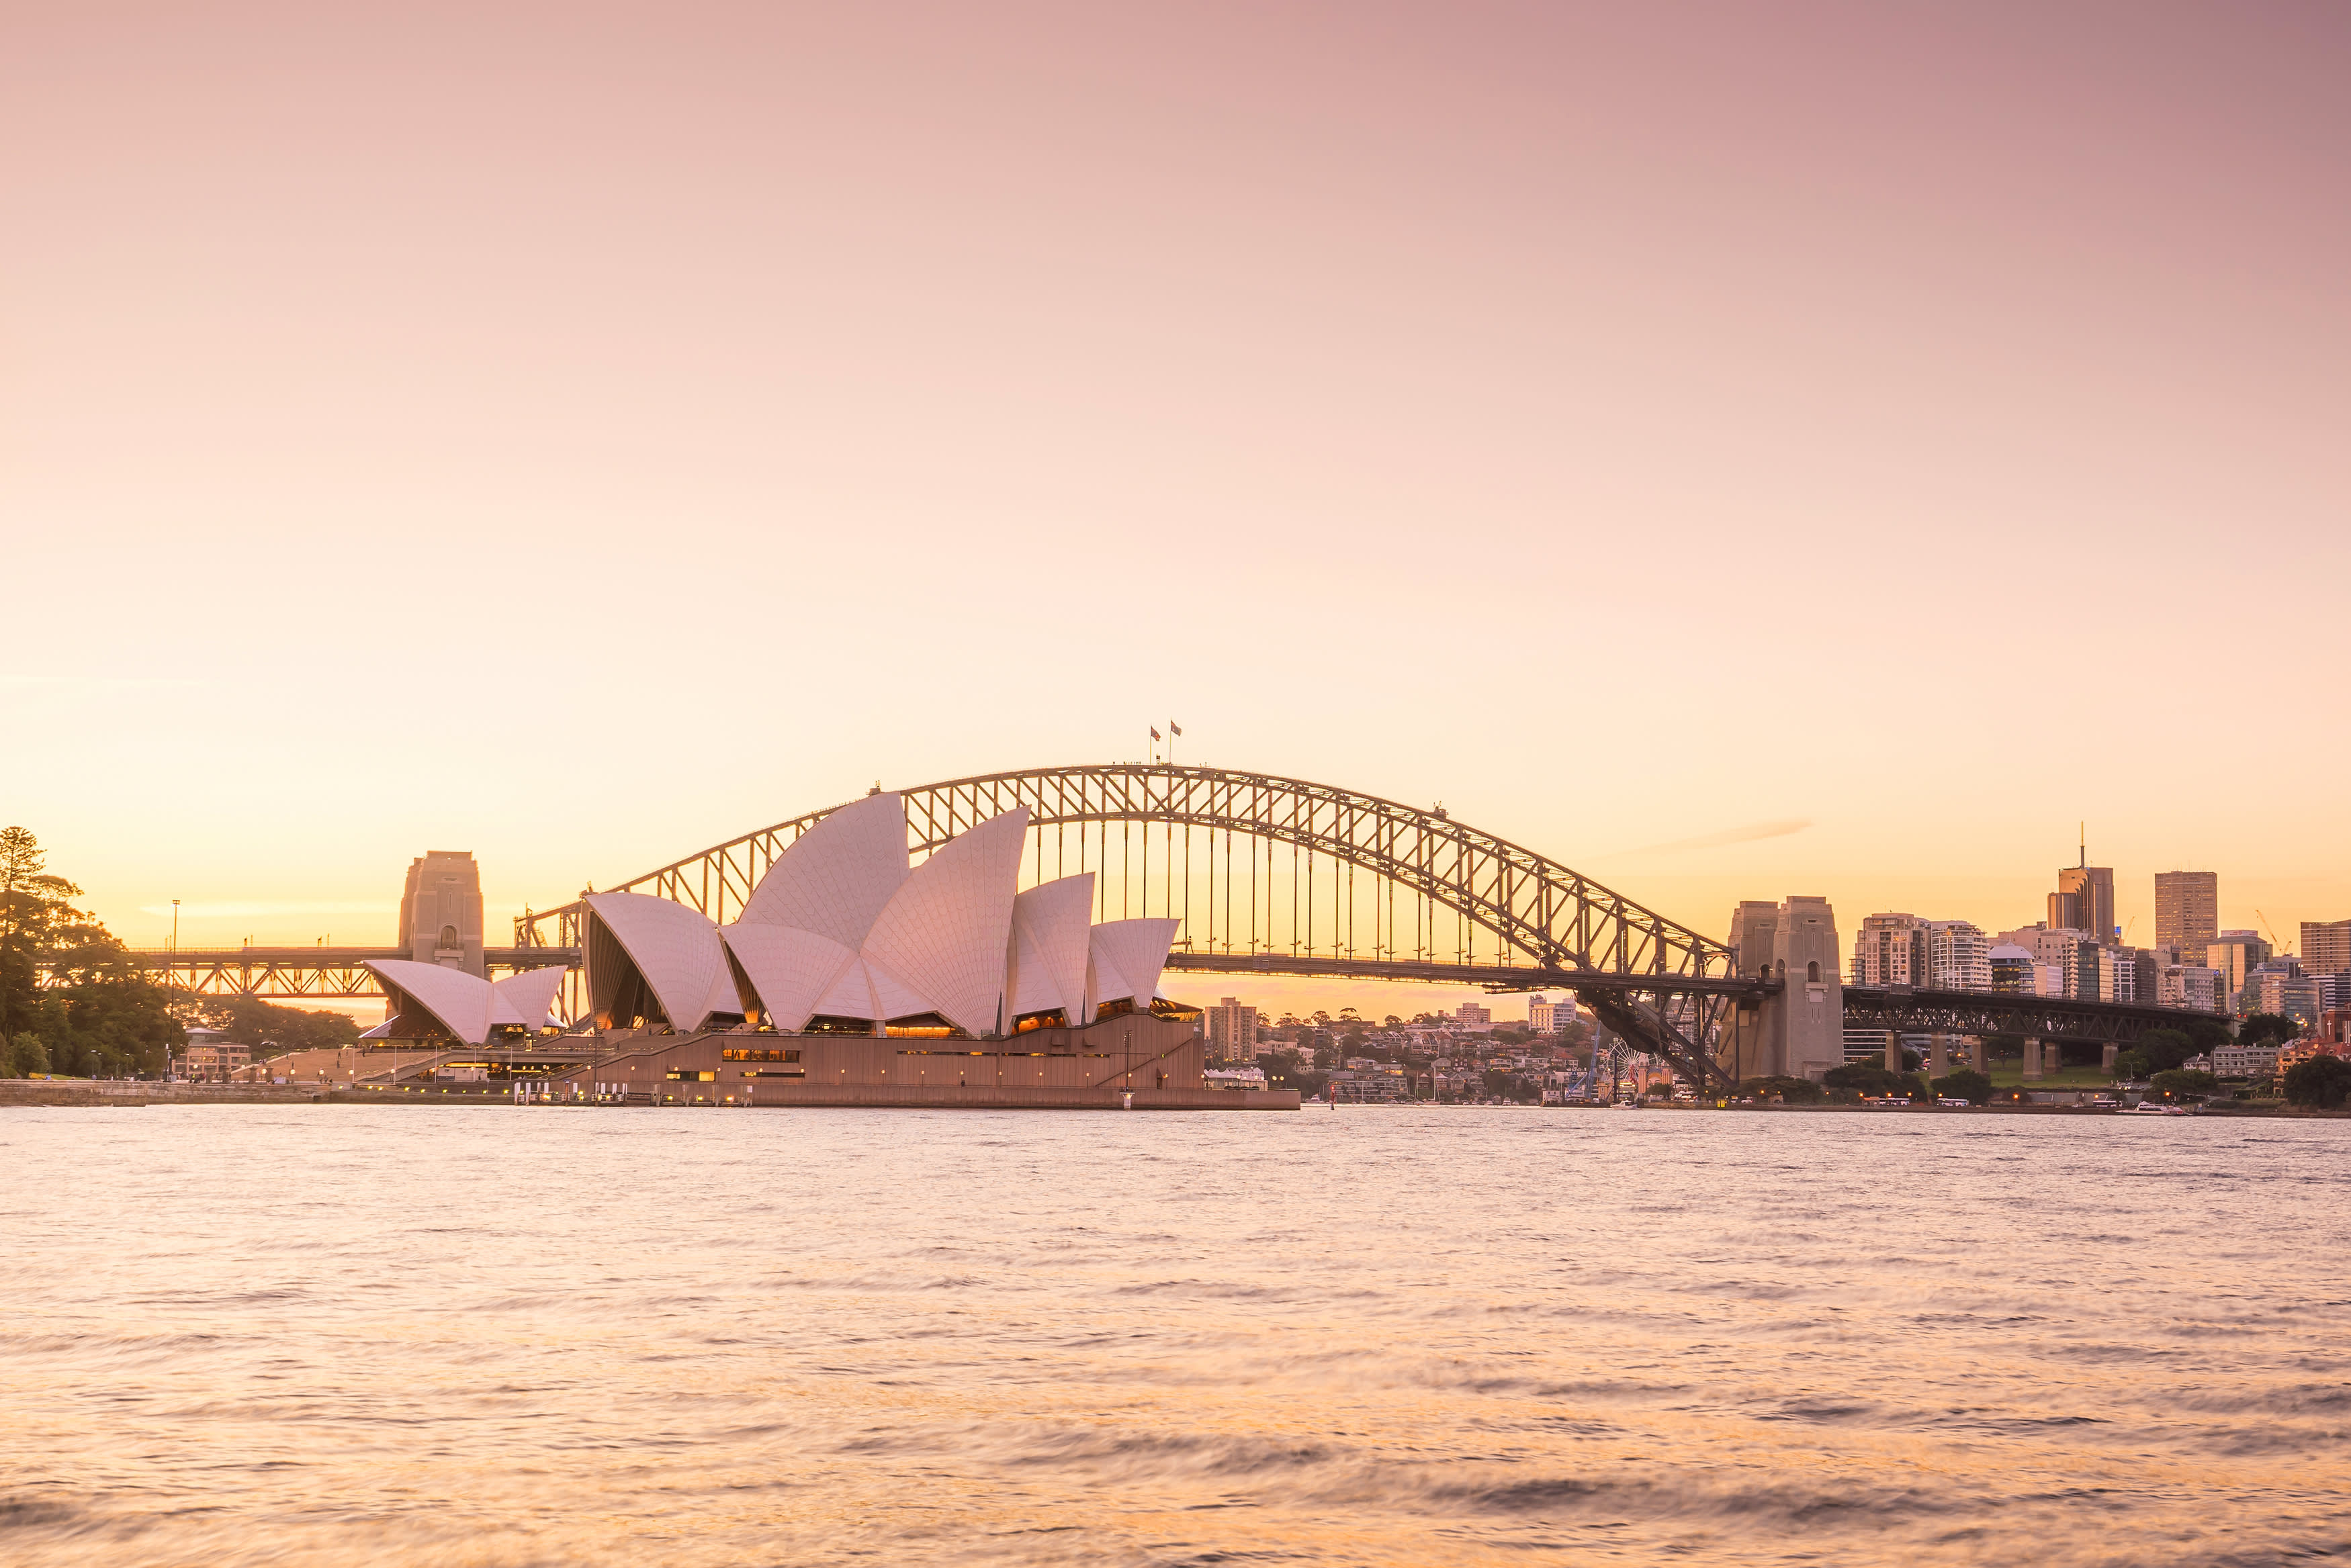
316	972
1908	1010
306	970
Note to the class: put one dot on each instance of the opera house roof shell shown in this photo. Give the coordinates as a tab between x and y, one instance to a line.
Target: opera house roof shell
465	1007
842	933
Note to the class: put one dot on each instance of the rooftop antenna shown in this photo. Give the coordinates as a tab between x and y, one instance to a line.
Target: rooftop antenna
2085	846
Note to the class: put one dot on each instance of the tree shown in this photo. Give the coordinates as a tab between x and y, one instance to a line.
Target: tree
1861	1077
2159	1051
249	1021
2321	1083
98	1015
1392	1021
2183	1083
1967	1084
2261	1028
1795	1091
25	1056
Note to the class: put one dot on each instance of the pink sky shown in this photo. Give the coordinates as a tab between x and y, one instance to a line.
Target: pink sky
581	434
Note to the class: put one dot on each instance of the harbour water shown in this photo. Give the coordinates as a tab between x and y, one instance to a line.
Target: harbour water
327	1334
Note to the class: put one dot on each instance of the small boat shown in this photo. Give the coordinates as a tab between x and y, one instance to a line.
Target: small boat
2153	1109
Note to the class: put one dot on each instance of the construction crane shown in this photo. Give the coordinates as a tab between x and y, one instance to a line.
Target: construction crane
2275	945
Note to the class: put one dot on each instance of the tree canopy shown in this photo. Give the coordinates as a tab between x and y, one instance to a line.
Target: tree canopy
1868	1078
2184	1083
2261	1028
1795	1091
97	1015
1967	1084
2321	1082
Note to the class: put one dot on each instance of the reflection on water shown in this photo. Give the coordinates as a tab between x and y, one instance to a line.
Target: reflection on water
503	1335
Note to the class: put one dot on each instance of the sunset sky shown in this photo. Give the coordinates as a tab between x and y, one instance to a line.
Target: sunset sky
1734	450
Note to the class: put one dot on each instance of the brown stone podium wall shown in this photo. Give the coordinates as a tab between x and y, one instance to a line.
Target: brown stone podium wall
1159	1060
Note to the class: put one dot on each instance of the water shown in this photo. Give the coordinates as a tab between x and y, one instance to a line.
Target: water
1382	1336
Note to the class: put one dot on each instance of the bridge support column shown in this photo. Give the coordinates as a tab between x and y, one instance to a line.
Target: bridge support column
1938	1056
1893	1052
2052	1058
2033	1058
1976	1051
2106	1056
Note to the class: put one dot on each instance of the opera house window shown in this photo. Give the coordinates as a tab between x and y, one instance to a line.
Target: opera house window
749	1055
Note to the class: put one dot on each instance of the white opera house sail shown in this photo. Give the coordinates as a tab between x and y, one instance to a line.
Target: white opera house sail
842	936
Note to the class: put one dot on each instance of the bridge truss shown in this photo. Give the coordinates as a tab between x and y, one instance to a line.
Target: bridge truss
1905	1010
1282	876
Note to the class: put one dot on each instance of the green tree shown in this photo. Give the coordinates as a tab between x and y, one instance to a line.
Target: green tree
2184	1083
98	1014
2321	1083
2261	1028
249	1021
1866	1078
26	1055
1795	1091
2159	1051
1967	1084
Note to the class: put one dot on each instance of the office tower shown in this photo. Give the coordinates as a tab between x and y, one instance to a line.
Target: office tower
2326	947
2187	909
1890	949
2235	954
2085	898
1958	956
1232	1031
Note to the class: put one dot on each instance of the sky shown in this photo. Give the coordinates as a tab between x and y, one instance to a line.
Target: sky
1735	450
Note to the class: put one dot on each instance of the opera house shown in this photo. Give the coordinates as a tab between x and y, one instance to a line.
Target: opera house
851	978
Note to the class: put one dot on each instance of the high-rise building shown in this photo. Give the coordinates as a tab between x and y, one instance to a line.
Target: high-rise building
2190	985
2326	947
2012	970
1958	956
2186	908
1472	1013
2235	954
1232	1031
2279	986
2085	899
2093	974
2047	944
1890	949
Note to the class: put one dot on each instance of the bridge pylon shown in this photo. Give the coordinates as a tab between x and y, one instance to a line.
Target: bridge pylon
1797	1029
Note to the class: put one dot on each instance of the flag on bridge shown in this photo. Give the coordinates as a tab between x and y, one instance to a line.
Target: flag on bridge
1174	728
1154	732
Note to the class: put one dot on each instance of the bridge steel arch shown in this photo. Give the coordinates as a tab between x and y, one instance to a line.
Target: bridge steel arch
1346	855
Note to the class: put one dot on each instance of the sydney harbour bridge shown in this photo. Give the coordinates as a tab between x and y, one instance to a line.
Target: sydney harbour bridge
1271	876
